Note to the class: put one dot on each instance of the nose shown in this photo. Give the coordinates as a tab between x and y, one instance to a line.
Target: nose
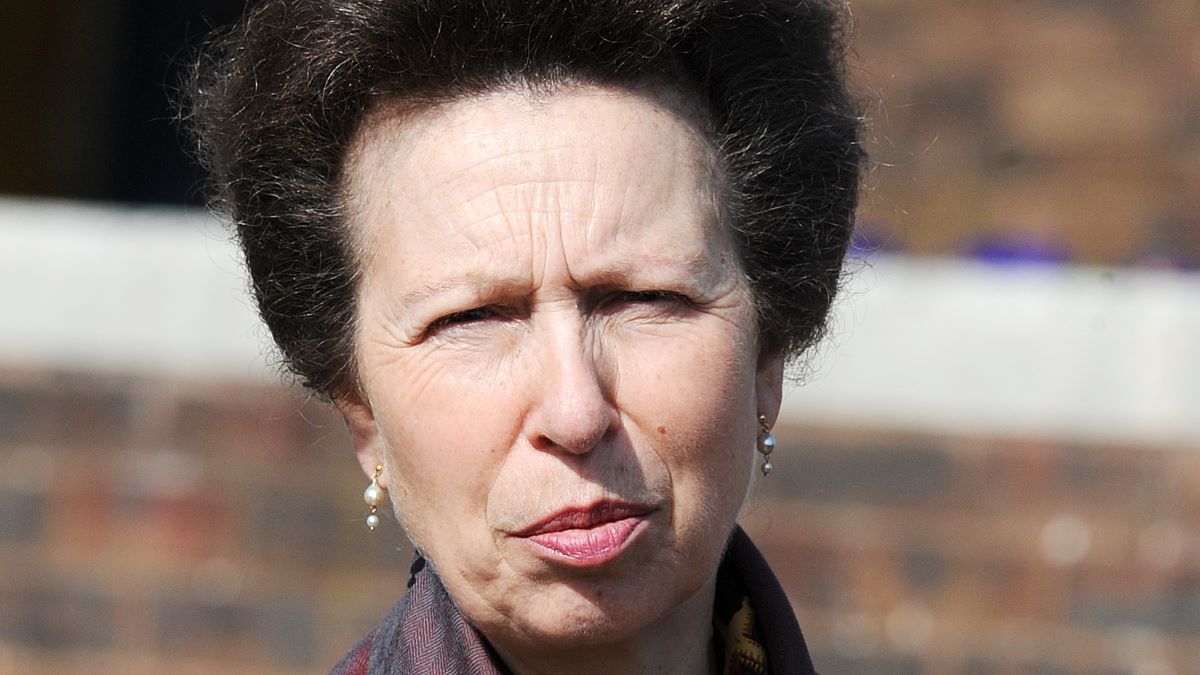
571	410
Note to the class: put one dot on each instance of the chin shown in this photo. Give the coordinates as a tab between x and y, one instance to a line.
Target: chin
582	613
574	618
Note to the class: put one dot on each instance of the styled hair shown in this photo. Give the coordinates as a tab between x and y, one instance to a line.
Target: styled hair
275	102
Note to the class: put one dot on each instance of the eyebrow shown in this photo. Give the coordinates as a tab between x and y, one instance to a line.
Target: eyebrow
481	283
697	265
475	281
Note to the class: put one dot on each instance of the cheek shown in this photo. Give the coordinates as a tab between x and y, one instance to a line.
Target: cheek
704	376
695	403
444	447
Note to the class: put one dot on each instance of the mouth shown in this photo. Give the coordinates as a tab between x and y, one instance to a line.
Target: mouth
587	536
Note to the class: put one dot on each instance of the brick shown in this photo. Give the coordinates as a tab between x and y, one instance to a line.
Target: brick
190	524
58	414
182	624
22	515
14	415
58	617
876	475
218	428
1176	610
925	568
86	507
892	665
291	630
292	526
981	665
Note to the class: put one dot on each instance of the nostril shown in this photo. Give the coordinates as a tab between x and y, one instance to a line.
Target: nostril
575	436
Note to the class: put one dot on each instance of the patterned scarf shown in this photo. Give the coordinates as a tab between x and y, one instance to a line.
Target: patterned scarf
739	641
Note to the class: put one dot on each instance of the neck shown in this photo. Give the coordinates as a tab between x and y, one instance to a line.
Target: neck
680	643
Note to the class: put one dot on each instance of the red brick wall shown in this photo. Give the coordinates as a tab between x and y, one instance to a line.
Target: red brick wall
151	525
955	555
205	528
1077	123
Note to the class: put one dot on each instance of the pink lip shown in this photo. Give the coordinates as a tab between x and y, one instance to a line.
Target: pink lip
587	537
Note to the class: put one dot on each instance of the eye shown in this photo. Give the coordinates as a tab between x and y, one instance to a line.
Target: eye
467	316
647	298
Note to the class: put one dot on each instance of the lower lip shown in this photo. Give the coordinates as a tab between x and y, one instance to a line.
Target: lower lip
591	546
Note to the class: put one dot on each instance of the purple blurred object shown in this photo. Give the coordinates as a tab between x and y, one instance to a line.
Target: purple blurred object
1015	249
869	237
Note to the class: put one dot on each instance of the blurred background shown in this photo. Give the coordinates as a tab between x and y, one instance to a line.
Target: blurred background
993	465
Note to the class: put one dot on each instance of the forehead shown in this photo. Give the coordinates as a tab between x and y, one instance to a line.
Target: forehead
482	182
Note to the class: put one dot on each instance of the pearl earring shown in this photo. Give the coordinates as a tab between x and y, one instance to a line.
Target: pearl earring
766	444
374	497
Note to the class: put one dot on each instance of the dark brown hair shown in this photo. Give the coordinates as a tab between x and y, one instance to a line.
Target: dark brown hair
275	102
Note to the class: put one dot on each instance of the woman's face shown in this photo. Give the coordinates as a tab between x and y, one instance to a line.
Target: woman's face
557	354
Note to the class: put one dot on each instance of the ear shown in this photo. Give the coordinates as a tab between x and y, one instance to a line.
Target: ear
768	384
364	432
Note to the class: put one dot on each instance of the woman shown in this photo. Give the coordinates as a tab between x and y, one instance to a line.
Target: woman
548	259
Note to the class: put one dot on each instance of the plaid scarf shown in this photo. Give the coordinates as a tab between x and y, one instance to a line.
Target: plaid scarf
426	634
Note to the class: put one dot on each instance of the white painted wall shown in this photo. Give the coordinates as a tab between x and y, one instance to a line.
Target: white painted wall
1056	352
930	345
118	289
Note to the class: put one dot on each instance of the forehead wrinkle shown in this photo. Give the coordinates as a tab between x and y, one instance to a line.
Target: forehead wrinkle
511	224
537	189
519	178
537	197
546	211
644	204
